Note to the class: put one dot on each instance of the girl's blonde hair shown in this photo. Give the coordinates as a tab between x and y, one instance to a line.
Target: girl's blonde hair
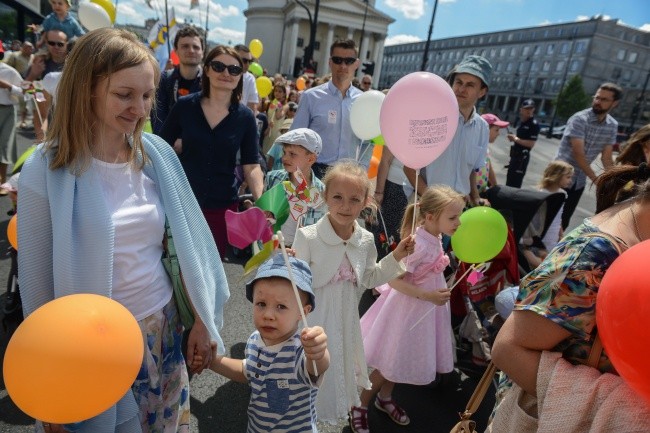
352	170
96	55
433	201
554	172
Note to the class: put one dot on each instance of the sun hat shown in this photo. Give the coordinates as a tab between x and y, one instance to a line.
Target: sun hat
304	137
492	119
276	267
475	65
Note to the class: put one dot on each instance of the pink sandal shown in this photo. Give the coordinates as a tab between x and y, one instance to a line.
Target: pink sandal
396	413
358	418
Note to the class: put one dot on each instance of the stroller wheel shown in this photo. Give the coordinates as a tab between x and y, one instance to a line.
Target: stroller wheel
13	302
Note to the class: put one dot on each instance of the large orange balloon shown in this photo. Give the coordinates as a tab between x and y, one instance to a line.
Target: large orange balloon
300	83
73	358
374	161
12	231
622	315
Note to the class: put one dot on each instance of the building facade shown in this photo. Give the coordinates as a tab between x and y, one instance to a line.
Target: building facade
283	26
536	62
15	16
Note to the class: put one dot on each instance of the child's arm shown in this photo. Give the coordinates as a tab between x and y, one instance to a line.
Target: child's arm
314	342
438	297
231	368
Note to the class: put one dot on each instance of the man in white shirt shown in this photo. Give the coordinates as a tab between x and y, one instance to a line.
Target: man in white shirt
249	96
10	91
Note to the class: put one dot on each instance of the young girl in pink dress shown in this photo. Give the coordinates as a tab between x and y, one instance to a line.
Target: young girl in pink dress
397	353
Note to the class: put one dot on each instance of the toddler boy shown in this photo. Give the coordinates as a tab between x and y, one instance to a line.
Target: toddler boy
280	362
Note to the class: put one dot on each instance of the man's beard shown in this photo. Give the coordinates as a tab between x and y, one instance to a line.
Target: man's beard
598	110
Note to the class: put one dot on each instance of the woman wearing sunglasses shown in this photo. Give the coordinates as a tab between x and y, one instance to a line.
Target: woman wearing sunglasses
212	133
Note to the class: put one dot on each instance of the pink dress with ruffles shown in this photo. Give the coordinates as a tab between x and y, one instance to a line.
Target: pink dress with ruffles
400	354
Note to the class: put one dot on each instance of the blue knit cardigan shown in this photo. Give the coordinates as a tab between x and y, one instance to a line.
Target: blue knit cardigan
66	239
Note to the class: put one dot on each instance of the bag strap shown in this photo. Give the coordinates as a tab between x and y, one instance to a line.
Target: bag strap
480	391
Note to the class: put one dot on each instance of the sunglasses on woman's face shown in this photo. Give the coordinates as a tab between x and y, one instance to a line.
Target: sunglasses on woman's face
219	67
347	60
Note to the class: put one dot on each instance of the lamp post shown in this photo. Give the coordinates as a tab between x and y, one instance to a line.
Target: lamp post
363	26
425	56
313	23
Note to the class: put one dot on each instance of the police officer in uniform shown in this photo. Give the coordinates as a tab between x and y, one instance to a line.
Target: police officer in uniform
522	144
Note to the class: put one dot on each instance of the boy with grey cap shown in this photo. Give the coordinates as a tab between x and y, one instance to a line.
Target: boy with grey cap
283	366
456	166
301	148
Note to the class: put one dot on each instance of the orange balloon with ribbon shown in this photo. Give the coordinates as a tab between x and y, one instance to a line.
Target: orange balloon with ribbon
374	161
73	358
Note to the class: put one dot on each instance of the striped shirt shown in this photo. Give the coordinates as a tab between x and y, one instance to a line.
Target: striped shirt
596	136
282	396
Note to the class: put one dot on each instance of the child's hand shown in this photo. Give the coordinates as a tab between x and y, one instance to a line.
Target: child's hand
197	361
439	297
404	248
314	341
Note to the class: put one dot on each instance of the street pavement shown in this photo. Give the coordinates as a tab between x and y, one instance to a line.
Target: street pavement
219	405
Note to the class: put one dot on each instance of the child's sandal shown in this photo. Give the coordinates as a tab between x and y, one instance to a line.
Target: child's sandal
396	413
358	418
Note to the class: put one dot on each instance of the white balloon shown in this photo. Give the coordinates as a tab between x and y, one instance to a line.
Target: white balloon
92	16
364	114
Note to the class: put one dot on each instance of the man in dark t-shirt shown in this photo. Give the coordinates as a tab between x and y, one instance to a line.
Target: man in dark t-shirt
522	144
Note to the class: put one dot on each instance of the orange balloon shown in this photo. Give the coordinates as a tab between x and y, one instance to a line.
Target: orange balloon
377	151
300	83
12	231
73	358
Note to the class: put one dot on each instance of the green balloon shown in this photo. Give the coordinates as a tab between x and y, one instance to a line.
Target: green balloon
256	69
482	234
379	140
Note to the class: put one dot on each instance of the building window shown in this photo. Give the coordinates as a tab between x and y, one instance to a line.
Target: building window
493	52
509	67
480	40
521	66
300	42
564	48
621	55
581	46
616	73
534	66
502	52
550	48
627	75
513	51
316	45
559	66
497	67
547	66
575	65
537	50
526	50
631	57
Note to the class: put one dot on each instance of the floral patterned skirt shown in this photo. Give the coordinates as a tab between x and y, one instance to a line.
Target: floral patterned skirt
162	389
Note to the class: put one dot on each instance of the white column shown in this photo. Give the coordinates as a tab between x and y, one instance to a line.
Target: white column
326	50
350	33
362	54
292	45
378	58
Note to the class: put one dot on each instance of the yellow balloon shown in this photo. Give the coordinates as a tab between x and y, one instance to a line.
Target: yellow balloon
73	358
264	86
108	6
12	232
256	48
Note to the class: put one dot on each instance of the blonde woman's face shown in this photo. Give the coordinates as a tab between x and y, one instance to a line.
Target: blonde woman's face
121	102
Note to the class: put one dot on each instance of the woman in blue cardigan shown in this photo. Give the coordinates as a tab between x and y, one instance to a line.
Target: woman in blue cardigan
93	203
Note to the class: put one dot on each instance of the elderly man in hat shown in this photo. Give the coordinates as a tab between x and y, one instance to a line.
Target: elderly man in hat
522	144
467	151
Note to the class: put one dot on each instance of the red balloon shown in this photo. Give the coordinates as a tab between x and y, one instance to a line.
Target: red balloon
622	315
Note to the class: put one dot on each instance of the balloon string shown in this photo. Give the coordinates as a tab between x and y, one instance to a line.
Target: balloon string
283	249
415	209
450	289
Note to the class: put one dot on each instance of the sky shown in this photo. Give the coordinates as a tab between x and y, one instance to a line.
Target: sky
227	23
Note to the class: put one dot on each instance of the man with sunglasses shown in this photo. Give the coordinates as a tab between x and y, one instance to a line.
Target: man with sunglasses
326	108
249	96
182	79
366	83
588	133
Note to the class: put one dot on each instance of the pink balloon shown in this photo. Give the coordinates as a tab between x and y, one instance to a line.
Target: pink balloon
418	118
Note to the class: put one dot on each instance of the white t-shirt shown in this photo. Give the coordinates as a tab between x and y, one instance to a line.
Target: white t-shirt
249	92
552	236
140	282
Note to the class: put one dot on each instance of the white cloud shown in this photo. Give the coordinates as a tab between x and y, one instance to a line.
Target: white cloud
411	9
137	11
545	23
226	36
401	39
645	27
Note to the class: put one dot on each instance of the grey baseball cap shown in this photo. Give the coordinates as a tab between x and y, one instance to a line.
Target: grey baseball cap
304	137
478	66
276	267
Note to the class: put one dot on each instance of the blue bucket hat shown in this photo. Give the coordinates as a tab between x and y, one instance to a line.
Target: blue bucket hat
478	66
275	267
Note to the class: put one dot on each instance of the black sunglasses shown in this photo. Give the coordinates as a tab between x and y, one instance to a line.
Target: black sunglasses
245	60
58	44
219	67
347	60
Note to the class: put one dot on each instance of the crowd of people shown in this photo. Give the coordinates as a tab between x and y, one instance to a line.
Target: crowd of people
98	192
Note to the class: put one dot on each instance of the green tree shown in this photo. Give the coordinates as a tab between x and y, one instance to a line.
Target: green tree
572	98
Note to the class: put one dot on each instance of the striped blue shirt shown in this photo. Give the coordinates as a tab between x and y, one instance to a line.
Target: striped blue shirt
324	110
465	153
596	136
282	396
